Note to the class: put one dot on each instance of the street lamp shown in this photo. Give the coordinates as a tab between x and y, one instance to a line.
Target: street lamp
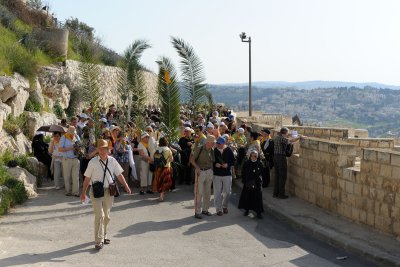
247	39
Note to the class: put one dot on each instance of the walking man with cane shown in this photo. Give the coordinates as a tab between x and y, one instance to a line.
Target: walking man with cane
202	160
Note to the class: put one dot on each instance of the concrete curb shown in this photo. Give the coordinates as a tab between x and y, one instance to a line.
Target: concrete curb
326	233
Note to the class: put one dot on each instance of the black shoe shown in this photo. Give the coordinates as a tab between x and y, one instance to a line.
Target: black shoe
259	216
275	196
283	197
149	192
246	213
219	213
206	213
141	192
198	216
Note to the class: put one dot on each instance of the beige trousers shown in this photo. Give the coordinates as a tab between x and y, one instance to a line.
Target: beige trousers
202	191
71	175
101	207
146	176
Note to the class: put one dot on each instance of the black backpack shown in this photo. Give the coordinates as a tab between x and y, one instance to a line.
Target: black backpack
159	160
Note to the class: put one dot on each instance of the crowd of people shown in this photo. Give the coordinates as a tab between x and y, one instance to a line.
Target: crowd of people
211	151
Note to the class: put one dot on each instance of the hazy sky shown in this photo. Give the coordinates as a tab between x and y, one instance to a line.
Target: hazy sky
292	40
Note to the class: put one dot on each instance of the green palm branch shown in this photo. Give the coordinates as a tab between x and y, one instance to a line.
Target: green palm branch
169	97
194	86
131	81
90	89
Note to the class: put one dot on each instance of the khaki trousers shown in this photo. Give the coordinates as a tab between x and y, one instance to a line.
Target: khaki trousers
101	207
146	176
71	175
202	191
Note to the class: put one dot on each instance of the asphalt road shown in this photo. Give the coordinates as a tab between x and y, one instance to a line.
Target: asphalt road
55	230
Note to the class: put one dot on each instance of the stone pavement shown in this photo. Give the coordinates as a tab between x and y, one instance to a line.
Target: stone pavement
333	229
55	230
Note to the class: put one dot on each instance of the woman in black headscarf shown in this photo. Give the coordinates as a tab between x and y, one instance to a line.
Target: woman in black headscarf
41	151
251	196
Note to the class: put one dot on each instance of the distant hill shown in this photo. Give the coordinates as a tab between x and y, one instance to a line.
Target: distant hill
313	85
367	107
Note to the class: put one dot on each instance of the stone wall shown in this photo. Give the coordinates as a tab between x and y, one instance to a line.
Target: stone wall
361	143
323	174
108	83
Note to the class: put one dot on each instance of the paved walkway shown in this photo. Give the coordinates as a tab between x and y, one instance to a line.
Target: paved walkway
333	229
55	230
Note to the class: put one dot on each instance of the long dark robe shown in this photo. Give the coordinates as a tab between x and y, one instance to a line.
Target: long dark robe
251	196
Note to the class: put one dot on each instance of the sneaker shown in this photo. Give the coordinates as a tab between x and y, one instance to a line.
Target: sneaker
141	192
246	213
207	213
219	213
149	192
225	210
68	194
198	216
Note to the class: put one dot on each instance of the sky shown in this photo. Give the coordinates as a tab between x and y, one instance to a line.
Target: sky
292	40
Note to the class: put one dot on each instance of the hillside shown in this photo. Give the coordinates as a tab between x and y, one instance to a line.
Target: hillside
370	108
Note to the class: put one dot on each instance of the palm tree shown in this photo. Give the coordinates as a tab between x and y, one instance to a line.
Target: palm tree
131	81
169	97
194	86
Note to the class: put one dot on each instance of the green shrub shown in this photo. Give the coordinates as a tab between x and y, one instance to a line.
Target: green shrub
32	104
58	110
11	126
21	61
18	192
5	202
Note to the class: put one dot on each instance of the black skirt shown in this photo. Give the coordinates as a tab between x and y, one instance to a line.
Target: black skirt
251	199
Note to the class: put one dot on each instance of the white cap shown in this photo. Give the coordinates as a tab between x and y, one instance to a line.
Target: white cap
240	130
144	134
188	129
222	123
83	115
210	125
103	120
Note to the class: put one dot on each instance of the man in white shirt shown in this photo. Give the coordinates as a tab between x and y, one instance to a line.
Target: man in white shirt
102	168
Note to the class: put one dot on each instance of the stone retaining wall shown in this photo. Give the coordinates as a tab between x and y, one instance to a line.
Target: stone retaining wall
361	143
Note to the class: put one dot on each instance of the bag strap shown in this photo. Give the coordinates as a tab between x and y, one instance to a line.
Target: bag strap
198	155
104	175
106	168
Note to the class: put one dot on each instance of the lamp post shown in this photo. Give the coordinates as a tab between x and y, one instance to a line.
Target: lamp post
247	39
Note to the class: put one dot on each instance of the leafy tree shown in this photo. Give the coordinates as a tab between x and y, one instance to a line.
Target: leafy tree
168	93
194	86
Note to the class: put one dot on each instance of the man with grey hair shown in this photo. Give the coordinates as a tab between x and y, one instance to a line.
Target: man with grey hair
202	160
281	141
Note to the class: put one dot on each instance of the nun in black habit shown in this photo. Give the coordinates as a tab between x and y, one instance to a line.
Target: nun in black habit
251	196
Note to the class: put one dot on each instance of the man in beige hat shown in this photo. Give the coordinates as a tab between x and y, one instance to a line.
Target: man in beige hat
202	160
102	168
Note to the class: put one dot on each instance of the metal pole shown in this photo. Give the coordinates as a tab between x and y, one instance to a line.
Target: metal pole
250	106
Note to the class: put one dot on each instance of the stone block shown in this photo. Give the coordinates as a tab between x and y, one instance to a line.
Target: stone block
396	228
365	166
396	172
363	216
317	132
376	167
355	214
384	157
370	155
313	144
395	159
327	192
347	211
385	171
380	195
357	189
364	143
333	148
311	197
370	219
397	200
389	185
384	210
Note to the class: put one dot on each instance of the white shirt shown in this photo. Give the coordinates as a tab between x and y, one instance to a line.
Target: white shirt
95	170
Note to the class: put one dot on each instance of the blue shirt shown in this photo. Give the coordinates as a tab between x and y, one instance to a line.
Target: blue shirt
64	143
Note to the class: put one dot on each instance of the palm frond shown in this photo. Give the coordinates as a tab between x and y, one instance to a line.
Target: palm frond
131	82
169	96
193	78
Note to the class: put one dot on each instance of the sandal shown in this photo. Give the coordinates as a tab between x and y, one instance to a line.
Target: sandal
99	246
107	241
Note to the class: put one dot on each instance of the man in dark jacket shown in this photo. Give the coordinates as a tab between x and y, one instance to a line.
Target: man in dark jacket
222	182
186	143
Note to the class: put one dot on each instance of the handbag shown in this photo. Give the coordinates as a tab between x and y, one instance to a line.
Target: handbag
98	187
113	187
